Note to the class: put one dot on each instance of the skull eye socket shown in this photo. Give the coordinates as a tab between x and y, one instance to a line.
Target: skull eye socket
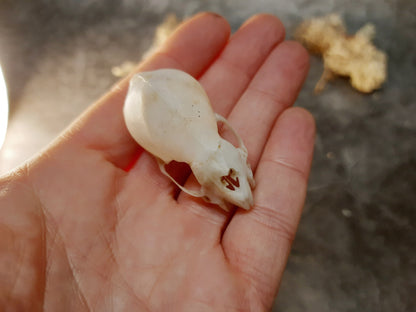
230	181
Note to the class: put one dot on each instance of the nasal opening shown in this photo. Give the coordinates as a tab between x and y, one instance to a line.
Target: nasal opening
231	180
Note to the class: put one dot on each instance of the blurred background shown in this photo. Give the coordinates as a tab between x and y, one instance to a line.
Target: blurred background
356	245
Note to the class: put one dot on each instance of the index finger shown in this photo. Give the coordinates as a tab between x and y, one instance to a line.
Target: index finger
192	48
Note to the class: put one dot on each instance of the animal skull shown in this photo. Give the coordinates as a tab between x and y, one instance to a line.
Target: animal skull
169	114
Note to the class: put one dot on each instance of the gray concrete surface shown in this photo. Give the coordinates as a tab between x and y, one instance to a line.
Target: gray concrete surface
355	249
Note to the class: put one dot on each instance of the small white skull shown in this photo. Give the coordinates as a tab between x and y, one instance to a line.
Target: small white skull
169	114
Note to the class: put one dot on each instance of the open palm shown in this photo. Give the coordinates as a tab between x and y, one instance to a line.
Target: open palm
92	224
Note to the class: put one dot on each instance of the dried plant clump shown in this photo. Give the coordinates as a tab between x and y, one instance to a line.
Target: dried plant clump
349	56
162	33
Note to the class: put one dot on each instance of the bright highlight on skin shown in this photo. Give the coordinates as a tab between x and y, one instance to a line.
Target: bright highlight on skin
4	108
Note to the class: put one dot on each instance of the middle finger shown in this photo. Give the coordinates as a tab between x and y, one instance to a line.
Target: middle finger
227	78
273	89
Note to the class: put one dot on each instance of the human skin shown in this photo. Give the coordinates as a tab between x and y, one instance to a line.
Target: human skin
90	224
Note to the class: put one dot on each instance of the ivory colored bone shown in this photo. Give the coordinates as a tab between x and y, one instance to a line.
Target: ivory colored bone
169	114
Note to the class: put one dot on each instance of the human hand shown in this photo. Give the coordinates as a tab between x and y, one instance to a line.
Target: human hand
78	231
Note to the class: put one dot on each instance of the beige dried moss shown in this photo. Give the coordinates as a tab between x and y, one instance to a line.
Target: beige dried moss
350	56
